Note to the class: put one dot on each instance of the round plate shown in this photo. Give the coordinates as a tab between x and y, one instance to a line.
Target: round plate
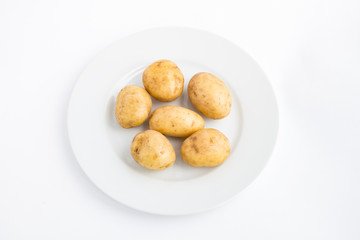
102	147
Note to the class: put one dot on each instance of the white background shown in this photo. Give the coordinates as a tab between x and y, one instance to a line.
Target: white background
310	51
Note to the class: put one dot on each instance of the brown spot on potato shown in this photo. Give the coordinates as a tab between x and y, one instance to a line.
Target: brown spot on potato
167	166
195	148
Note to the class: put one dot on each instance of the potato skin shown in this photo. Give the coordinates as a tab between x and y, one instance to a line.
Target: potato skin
152	150
209	95
205	148
163	80
175	121
133	106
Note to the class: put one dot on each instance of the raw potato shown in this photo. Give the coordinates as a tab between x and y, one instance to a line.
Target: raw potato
205	148
209	95
133	106
163	80
175	121
152	150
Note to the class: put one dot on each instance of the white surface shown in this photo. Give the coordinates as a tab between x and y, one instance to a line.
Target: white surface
102	147
310	51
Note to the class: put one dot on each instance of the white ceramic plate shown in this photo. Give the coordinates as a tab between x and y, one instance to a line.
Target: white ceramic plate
102	147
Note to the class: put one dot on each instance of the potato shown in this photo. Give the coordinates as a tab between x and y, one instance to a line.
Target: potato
152	150
205	148
163	80
209	95
133	106
175	121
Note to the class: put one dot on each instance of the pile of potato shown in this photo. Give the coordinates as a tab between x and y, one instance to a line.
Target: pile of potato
164	81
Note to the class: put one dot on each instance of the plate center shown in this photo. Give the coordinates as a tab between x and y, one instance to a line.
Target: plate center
121	138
